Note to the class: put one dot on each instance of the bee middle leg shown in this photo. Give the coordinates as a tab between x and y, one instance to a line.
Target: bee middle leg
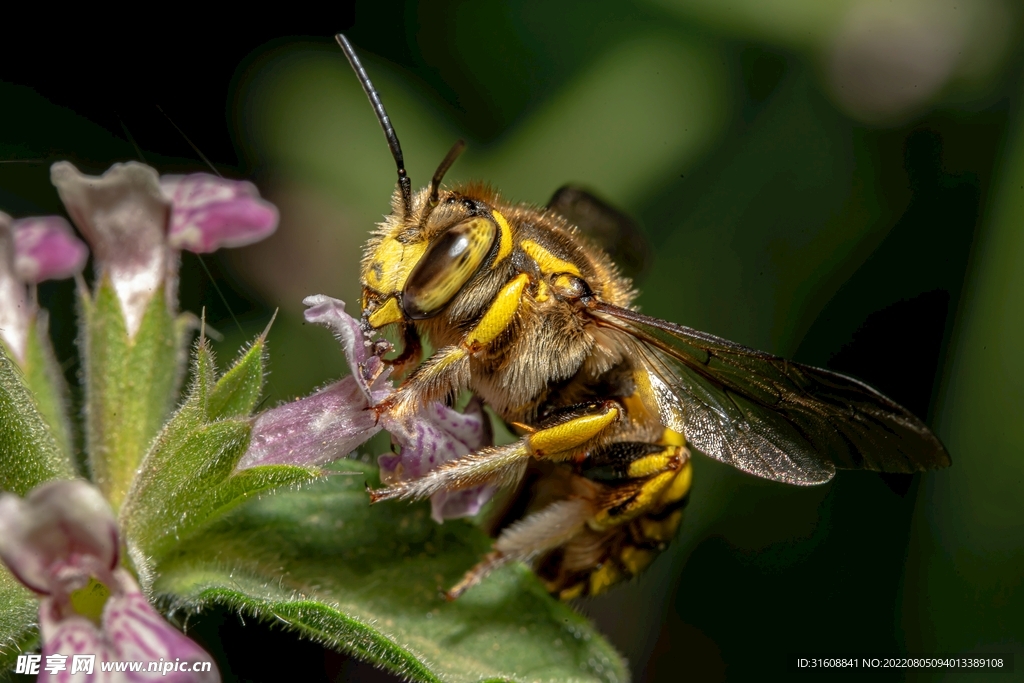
567	436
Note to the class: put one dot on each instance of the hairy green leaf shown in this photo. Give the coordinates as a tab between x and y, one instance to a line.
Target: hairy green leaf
29	453
187	477
238	391
18	609
43	377
130	384
369	580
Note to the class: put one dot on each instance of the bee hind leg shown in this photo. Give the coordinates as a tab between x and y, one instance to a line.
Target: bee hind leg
529	538
642	488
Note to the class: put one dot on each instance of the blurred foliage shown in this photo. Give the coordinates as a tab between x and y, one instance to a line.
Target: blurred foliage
818	179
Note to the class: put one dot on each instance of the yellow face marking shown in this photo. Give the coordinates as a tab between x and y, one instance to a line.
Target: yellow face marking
662	530
570	434
548	263
500	314
386	314
391	264
604	578
505	245
636	560
680	486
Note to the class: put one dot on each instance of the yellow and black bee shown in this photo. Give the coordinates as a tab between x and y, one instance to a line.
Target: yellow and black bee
528	313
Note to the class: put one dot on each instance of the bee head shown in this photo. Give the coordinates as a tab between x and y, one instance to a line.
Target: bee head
420	258
413	268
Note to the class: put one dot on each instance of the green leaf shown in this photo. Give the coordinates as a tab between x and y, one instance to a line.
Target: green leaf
17	620
29	453
130	384
188	476
43	377
238	391
368	581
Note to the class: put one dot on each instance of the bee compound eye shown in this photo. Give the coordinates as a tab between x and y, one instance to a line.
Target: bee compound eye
447	266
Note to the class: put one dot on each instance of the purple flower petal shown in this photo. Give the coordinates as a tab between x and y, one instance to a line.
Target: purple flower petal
364	365
46	249
123	215
314	430
58	536
15	310
456	504
430	438
335	420
330	423
130	630
210	212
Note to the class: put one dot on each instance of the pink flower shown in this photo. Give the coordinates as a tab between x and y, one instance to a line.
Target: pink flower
330	423
208	213
45	248
32	250
61	541
137	222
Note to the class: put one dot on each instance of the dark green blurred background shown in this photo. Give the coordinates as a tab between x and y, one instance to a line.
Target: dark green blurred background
837	182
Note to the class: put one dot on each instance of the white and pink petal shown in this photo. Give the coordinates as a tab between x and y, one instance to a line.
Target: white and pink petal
123	215
431	438
362	355
15	310
58	536
129	631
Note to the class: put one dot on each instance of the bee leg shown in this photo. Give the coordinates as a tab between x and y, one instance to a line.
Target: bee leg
640	479
563	438
642	488
412	352
529	538
447	371
442	375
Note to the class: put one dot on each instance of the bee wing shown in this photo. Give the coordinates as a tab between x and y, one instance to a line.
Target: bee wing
768	416
610	229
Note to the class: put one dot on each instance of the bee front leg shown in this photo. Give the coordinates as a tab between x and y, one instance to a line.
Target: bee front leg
447	372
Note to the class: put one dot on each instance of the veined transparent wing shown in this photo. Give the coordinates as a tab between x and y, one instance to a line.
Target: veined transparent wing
768	416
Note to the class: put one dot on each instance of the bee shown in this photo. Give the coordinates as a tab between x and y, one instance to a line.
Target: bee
527	312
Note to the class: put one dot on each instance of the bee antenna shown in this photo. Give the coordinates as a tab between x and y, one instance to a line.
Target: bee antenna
382	115
446	163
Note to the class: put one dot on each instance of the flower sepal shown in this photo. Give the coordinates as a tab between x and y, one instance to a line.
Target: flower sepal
33	250
189	476
29	452
131	381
